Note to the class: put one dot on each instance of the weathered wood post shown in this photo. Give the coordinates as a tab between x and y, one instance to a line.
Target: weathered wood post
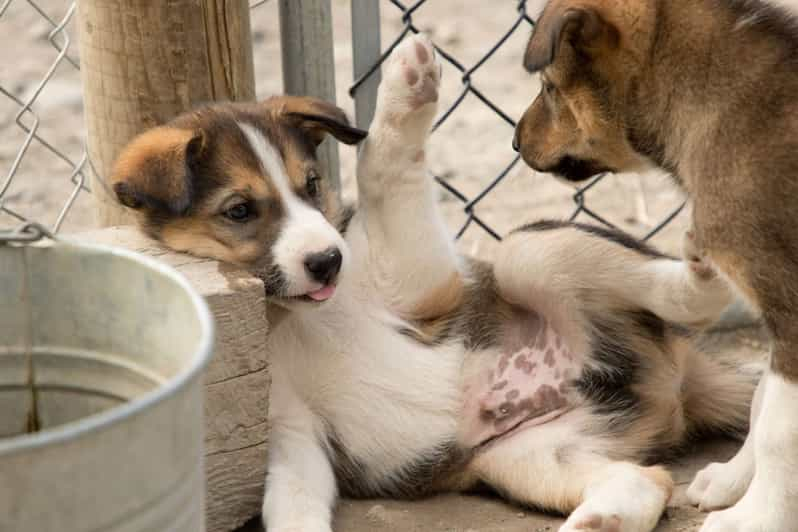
366	50
309	62
143	61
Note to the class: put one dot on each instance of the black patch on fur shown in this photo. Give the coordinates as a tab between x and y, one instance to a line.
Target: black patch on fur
576	170
773	21
609	387
410	481
274	282
613	235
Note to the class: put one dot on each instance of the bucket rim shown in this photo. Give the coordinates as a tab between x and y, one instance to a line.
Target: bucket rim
116	414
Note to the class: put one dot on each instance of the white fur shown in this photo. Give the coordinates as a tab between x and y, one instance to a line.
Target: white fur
719	486
621	500
342	372
770	503
386	396
305	231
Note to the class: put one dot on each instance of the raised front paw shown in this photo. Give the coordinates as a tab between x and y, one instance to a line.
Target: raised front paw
411	80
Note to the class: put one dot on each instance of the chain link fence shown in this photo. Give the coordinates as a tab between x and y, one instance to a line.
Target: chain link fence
23	122
26	122
522	22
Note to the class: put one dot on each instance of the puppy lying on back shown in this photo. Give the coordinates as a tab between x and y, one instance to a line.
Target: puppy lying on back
557	375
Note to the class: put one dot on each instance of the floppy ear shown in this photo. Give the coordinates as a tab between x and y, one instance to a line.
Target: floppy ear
583	28
154	171
315	117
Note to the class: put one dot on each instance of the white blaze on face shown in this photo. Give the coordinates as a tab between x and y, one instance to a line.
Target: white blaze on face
305	230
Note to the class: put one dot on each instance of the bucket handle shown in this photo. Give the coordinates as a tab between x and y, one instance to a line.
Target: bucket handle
27	233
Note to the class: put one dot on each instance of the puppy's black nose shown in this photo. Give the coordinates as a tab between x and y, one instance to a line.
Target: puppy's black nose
324	267
516	145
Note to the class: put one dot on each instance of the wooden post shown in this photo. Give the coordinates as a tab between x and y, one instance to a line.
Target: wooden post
142	62
366	50
309	63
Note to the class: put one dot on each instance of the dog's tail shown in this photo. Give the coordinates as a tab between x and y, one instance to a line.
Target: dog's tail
717	390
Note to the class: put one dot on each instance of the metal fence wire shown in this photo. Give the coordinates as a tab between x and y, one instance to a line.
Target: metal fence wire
522	22
28	122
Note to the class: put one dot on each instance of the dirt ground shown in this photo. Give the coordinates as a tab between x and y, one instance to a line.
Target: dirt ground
470	149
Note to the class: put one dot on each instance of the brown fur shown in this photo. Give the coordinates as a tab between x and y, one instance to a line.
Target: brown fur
182	177
702	88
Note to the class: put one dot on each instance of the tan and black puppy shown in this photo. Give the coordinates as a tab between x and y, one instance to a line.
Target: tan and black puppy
707	90
198	187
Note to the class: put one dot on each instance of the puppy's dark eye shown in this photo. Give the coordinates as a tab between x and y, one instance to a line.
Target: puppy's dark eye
240	212
312	183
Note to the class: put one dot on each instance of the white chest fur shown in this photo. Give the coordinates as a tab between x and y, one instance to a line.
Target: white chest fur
385	397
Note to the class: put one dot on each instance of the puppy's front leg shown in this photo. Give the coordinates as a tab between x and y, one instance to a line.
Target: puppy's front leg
300	485
413	258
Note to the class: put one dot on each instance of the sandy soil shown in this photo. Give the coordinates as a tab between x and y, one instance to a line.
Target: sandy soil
470	148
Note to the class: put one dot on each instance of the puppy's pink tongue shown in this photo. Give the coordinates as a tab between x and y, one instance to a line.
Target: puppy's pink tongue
322	294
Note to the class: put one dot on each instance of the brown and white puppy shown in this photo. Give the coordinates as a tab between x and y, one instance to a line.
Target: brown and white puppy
558	374
198	185
705	89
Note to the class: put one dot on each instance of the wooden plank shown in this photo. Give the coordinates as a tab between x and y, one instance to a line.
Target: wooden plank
309	63
144	62
366	49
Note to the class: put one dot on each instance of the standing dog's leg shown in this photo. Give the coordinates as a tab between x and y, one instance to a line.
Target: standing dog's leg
557	468
721	485
412	254
770	503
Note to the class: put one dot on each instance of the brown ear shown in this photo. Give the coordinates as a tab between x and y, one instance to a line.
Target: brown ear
316	118
153	172
583	28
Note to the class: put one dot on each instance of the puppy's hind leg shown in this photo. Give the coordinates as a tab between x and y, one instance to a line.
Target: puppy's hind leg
411	252
554	467
573	260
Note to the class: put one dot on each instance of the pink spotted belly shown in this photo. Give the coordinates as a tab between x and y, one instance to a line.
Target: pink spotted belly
529	383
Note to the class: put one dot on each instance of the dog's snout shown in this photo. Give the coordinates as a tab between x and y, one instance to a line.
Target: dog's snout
324	267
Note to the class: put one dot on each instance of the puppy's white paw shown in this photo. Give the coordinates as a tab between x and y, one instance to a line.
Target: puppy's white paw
410	82
627	498
300	525
592	522
719	486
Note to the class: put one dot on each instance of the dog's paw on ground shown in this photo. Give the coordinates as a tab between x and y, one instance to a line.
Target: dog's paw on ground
719	486
592	522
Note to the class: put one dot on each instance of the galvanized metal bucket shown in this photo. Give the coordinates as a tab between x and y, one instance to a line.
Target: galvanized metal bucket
101	399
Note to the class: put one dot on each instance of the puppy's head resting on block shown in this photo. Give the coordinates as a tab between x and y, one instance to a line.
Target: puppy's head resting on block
241	183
